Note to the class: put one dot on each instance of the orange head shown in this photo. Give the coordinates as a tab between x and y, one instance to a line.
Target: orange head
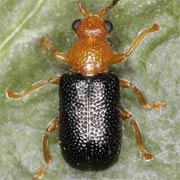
91	54
93	25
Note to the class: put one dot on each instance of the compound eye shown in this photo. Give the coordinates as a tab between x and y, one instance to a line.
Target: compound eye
108	26
75	24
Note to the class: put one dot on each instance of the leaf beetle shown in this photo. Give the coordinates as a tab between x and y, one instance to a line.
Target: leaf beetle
90	114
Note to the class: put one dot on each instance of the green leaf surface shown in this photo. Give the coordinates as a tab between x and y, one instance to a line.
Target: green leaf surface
154	67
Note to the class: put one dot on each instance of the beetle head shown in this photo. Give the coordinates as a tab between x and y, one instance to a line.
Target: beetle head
94	26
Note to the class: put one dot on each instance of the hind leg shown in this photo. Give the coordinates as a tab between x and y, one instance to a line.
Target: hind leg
53	125
127	115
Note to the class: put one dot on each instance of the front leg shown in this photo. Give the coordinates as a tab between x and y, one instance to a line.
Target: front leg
55	53
117	58
156	105
13	95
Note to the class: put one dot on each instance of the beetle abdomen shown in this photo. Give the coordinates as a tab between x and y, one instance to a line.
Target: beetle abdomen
90	126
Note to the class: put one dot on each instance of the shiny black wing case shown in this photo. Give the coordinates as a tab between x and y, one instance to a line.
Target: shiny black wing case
90	123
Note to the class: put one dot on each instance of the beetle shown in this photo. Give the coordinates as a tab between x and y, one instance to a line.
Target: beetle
90	114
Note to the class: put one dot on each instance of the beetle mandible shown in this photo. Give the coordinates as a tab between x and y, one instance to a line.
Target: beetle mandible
90	115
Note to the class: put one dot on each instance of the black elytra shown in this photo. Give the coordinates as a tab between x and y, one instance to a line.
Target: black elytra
90	124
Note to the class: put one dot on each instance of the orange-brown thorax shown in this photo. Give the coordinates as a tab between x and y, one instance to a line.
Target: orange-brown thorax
90	54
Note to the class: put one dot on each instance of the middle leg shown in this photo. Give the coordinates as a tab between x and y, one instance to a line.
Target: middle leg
14	95
156	105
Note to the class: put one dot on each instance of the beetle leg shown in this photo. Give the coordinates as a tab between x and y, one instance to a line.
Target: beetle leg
55	53
156	105
122	56
13	95
126	114
53	125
